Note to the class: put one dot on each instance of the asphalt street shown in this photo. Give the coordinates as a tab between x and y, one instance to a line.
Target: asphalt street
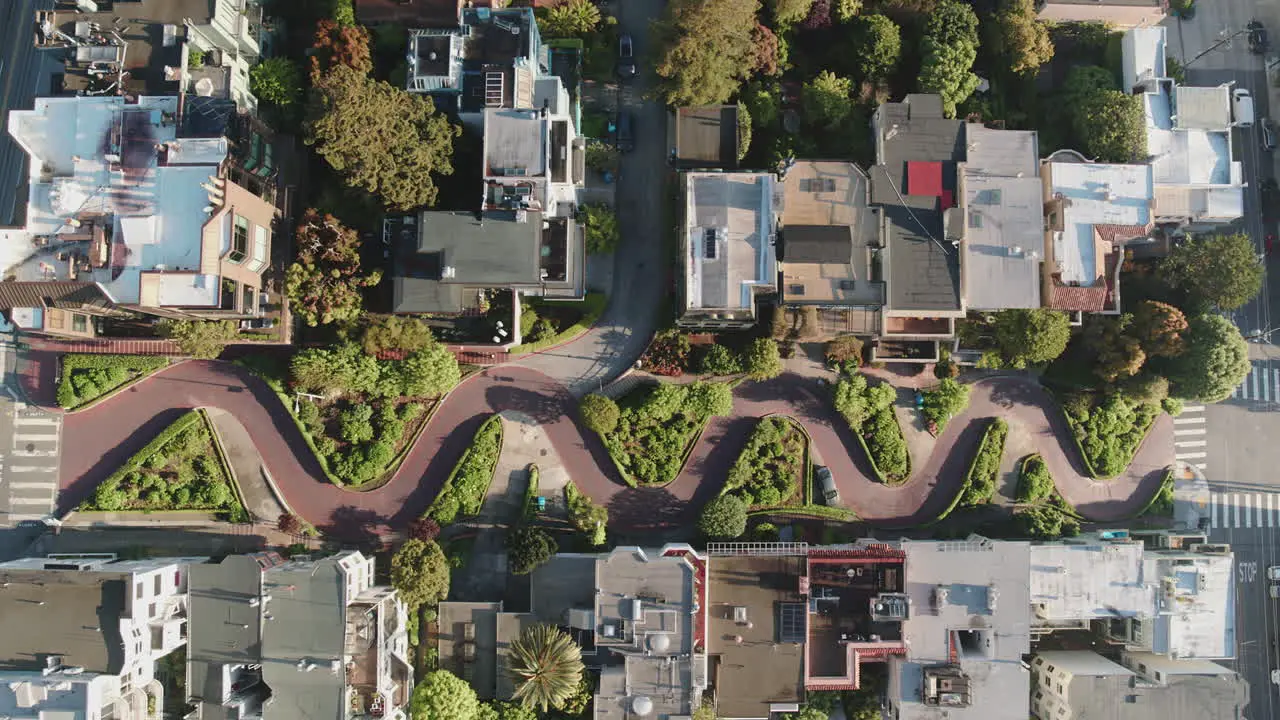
22	71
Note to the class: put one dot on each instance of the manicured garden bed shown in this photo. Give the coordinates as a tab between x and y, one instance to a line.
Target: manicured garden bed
942	402
464	492
586	517
1042	514
182	468
569	320
869	411
658	426
772	467
1108	430
87	377
984	471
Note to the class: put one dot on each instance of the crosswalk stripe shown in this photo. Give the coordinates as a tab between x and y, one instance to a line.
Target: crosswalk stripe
28	501
35	453
29	437
1190	443
1192	408
35	421
1183	432
1235	511
1191	455
32	468
1268	501
1198	420
32	486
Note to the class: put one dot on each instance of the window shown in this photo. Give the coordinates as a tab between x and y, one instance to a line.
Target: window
1131	699
79	323
239	240
157	579
1049	668
795	289
1142	668
975	220
138	591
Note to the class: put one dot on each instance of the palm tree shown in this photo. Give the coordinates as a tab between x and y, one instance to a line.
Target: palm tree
547	666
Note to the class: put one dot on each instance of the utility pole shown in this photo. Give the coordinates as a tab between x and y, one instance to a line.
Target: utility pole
1226	38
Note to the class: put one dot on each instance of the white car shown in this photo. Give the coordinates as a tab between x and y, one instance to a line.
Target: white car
1273	572
1242	107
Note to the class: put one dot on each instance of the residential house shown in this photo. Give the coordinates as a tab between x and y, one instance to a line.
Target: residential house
82	634
229	44
1004	218
706	138
1119	14
639	615
119	199
1083	685
1091	211
300	639
726	247
409	13
828	236
1197	181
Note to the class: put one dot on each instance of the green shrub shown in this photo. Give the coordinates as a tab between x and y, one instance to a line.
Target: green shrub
86	377
725	518
655	429
869	411
527	548
844	349
1110	432
586	517
1034	481
1046	522
946	400
355	424
599	413
770	468
719	360
465	489
1173	406
980	481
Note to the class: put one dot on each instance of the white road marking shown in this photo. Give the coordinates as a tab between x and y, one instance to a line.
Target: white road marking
48	421
1190	443
1199	419
1180	456
32	486
1185	432
28	501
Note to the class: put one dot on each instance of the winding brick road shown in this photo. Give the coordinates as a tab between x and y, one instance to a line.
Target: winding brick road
98	440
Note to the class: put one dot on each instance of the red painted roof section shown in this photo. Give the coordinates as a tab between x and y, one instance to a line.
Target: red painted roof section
924	178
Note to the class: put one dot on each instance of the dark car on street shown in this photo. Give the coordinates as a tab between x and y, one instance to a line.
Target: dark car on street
1258	42
624	137
626	58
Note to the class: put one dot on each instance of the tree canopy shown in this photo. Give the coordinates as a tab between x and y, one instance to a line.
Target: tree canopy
789	12
337	44
1216	361
546	665
380	138
420	573
878	45
1022	36
1030	337
345	368
827	100
724	518
1117	353
324	281
429	372
568	19
527	548
599	413
200	338
1112	126
441	695
395	333
1211	272
762	361
950	47
277	81
1159	328
705	49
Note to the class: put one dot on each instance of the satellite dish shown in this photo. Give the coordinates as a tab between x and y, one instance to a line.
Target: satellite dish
641	705
204	87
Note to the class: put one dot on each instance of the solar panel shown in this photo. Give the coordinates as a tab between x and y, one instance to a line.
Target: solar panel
791	622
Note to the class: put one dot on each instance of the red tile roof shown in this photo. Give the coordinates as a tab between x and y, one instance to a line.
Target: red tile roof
1120	233
1081	299
924	178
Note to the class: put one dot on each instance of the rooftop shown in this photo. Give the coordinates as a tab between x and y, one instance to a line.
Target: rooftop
303	645
499	58
706	137
73	616
914	182
225	628
412	13
970	620
1095	198
828	229
1004	207
468	643
1143	56
515	143
1195	692
729	228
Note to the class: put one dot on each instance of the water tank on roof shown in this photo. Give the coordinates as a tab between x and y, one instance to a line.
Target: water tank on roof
641	705
659	642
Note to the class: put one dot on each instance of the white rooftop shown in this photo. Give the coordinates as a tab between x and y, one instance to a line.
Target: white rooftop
729	233
1099	194
1004	211
1143	50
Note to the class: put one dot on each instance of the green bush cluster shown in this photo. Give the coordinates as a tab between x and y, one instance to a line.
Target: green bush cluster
769	468
463	493
1161	504
946	400
980	481
657	425
586	517
1046	522
591	307
1034	482
371	434
869	411
530	510
178	470
719	360
86	377
348	370
1108	429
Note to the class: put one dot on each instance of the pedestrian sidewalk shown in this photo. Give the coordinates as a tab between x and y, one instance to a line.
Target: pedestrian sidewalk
261	497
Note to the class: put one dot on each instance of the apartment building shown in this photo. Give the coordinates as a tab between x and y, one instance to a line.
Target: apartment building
306	638
128	217
227	44
82	634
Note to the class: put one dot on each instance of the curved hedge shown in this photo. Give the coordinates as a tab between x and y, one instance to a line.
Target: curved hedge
86	377
464	492
984	471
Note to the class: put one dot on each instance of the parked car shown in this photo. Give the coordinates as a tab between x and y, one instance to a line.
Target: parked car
626	58
1273	572
624	134
1268	134
1258	42
1274	591
827	484
1242	107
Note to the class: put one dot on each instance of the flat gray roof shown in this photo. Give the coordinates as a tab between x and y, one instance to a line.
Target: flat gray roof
515	143
707	137
566	582
1104	690
728	239
452	639
304	639
1004	241
70	614
223	628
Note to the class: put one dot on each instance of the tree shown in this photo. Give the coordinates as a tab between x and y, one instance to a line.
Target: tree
953	22
945	70
827	100
724	518
847	10
424	528
1031	337
846	348
599	413
342	369
420	573
429	372
1159	327
546	665
277	81
1111	125
1213	272
764	51
601	226
1085	80
946	400
380	138
393	333
877	42
789	12
1024	38
704	49
1215	363
720	360
762	361
324	282
569	18
527	548
289	524
819	15
200	338
497	710
762	102
1116	353
339	45
441	695
708	400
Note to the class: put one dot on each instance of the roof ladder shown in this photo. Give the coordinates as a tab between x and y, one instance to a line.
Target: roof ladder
493	83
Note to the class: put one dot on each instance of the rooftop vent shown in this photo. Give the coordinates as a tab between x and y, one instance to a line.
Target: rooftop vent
641	705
